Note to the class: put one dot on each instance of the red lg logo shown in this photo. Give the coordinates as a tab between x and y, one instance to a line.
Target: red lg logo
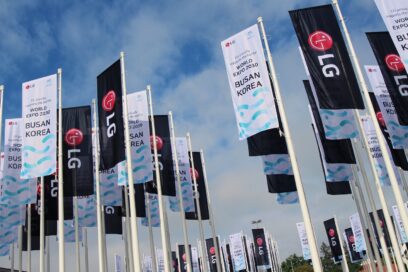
320	41
351	239
332	232
196	174
184	257
108	101
394	63
74	137
259	241
159	143
212	250
380	119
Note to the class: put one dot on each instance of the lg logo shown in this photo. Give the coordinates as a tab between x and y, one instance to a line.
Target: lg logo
332	234
321	41
395	64
213	257
109	210
73	137
259	242
108	104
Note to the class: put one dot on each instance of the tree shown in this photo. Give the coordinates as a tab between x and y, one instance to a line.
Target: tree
295	263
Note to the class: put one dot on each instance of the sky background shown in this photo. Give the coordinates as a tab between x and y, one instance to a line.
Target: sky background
175	47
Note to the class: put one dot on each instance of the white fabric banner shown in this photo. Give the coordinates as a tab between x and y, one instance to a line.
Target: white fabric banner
154	212
287	198
147	263
118	263
40	127
139	140
400	225
304	242
395	16
398	133
358	232
249	82
16	191
277	164
111	192
185	178
69	232
194	259
160	260
87	211
237	251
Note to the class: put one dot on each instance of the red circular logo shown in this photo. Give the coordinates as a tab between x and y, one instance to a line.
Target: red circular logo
259	241
39	189
184	257
212	250
332	232
394	63
196	174
74	137
108	101
320	41
351	239
381	224
380	118
159	143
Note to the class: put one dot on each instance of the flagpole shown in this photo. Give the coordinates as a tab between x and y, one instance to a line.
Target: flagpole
20	248
77	249
12	257
29	238
47	249
404	180
105	252
197	201
344	266
133	223
129	260
212	219
125	240
163	219
42	222
86	249
317	266
151	240
180	192
381	140
98	190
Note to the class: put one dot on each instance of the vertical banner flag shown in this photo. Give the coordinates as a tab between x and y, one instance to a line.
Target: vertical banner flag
140	200
77	151
39	110
334	239
383	226
154	212
212	257
69	232
326	56
51	200
185	178
393	71
194	259
400	226
87	211
398	133
110	112
113	219
287	198
355	256
139	141
160	260
118	263
249	82
111	192
261	250
174	261
147	263
237	252
182	257
360	242
304	241
229	258
394	14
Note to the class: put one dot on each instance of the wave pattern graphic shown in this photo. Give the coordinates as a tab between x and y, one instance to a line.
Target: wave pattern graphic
338	172
87	211
111	192
141	167
398	135
287	198
277	164
383	175
19	192
338	124
154	213
69	232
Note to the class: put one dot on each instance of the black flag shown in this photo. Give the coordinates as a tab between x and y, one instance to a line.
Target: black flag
77	151
393	70
229	258
35	241
202	192
327	58
182	258
383	226
111	129
261	250
333	236
281	183
139	200
113	219
51	200
35	220
211	253
165	157
351	244
175	261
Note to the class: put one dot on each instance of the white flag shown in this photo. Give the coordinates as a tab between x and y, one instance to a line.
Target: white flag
154	212
237	251
395	16
303	240
400	225
118	263
87	211
194	259
147	263
160	260
111	192
249	82
358	232
40	127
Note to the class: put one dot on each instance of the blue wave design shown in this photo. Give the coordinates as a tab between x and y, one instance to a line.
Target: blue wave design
139	160
143	180
18	192
140	149
11	178
111	176
334	113
248	107
35	150
253	118
139	168
396	125
259	90
107	185
48	137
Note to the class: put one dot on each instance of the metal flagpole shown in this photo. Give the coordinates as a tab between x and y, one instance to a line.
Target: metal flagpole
381	140
42	223
86	249
404	180
98	196
48	250
163	219
317	266
105	251
197	201
180	190
20	248
344	265
355	191
212	219
125	240
77	249
129	260
133	223
29	238
12	257
61	238
151	239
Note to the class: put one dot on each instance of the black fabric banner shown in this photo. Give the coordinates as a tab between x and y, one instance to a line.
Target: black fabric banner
165	157
267	142
113	219
333	236
202	192
398	155
383	226
139	201
35	219
351	244
393	71
338	188
244	241
35	241
50	227
110	111
229	258
211	253
77	151
182	258
281	183
327	58
335	151
174	261
51	200
261	250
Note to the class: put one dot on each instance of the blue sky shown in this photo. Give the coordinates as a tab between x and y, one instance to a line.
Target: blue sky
175	47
